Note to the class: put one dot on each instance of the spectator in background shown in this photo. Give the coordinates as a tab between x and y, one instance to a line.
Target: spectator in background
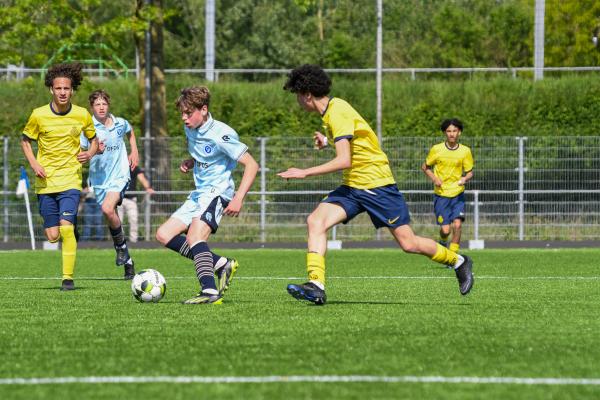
129	206
93	225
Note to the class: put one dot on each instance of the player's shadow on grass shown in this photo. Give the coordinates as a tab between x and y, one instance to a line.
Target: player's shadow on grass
375	303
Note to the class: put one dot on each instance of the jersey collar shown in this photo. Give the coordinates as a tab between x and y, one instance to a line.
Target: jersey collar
456	148
63	113
207	125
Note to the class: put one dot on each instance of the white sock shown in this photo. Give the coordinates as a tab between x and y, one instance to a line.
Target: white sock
459	261
210	292
222	261
318	284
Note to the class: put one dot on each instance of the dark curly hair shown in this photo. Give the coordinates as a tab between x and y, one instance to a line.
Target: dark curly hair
308	79
71	71
451	121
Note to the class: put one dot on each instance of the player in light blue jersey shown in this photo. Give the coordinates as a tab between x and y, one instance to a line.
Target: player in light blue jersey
109	170
215	149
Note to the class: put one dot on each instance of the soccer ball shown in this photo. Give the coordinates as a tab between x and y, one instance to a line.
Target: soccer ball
149	286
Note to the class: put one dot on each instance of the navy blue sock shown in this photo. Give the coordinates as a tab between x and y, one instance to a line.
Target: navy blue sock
179	245
118	235
204	265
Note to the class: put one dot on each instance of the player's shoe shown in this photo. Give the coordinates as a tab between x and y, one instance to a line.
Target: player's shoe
129	271
225	274
308	291
67	284
122	255
202	298
464	274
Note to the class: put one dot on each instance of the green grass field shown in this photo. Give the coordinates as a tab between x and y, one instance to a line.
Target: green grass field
532	315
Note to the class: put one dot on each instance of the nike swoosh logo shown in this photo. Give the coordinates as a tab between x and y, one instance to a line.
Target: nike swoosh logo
391	221
67	213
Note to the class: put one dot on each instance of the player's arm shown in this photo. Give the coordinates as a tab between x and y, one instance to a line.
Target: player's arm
145	182
429	172
250	170
468	167
28	151
86	155
186	165
134	156
466	178
342	160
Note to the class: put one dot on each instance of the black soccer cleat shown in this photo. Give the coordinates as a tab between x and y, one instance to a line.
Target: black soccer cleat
122	255
67	284
464	274
308	291
129	271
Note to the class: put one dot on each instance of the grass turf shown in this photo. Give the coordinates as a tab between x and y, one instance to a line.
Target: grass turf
531	314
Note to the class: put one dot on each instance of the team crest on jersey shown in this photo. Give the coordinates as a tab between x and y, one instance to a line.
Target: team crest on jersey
440	219
208	149
225	138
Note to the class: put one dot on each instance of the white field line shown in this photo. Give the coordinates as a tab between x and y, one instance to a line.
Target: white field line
303	379
282	278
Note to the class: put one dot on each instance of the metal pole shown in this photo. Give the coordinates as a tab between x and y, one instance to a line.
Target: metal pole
476	214
209	40
147	118
263	189
521	187
6	220
379	68
538	41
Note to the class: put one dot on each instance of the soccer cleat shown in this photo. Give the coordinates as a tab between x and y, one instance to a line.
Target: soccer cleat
225	274
308	291
129	271
464	274
67	284
202	298
122	255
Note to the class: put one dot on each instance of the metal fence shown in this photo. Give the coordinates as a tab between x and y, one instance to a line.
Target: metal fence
536	188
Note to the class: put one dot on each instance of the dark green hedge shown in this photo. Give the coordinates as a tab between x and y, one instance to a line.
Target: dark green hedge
499	106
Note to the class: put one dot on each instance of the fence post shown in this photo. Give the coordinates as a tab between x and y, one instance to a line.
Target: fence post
5	186
476	214
147	198
521	170
263	189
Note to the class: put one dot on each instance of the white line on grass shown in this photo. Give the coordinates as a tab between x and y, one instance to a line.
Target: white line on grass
304	379
282	278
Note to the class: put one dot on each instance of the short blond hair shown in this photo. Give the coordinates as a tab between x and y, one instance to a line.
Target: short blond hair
194	97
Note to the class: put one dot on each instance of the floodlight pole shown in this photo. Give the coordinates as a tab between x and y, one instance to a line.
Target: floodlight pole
538	41
379	68
209	41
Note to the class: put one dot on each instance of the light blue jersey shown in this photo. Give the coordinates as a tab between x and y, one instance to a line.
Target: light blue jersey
109	171
216	148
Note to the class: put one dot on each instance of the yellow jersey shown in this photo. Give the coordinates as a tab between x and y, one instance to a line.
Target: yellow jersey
57	136
449	165
370	166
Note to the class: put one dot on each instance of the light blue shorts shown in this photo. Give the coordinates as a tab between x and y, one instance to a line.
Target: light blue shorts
208	208
118	186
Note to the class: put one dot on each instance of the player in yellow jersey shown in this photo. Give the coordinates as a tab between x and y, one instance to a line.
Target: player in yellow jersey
57	166
368	186
449	165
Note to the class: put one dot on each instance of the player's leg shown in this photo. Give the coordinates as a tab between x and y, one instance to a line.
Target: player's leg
68	205
456	234
49	210
411	243
326	215
441	210
109	209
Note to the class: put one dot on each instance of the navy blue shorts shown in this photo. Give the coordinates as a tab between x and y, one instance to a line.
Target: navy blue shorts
385	205
447	209
56	206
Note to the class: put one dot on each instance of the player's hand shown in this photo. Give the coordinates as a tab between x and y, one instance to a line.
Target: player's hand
84	156
461	182
293	173
39	170
134	159
437	181
320	140
233	208
101	147
186	165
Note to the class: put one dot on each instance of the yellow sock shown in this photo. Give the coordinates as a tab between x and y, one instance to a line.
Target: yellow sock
454	247
69	250
315	265
444	256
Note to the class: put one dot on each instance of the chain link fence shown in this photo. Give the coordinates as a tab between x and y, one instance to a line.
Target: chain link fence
536	188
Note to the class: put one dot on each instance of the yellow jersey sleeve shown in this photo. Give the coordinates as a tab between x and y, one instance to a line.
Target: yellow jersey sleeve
32	130
468	160
431	157
370	166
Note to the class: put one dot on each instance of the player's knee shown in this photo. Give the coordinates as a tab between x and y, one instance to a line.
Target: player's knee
108	210
445	229
315	223
53	237
162	236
